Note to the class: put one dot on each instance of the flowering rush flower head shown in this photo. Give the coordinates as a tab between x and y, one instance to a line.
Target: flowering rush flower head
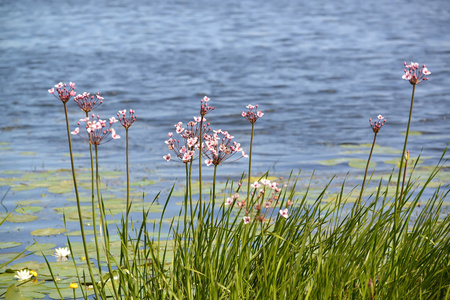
64	93
186	147
124	120
284	213
220	147
24	274
252	114
414	74
96	131
204	108
62	254
376	126
88	102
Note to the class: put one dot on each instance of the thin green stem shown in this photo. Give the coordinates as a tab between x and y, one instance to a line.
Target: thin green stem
80	217
128	201
365	174
403	183
250	162
186	192
200	171
397	204
405	143
213	195
104	225
94	217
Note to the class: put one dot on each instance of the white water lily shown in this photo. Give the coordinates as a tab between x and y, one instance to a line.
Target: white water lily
62	254
23	275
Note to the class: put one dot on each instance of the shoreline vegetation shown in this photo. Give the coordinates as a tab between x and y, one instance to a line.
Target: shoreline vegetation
253	237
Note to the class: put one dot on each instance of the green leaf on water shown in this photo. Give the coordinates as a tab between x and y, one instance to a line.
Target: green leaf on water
143	183
28	209
412	133
65	186
14	293
27	202
5	245
361	163
333	162
28	153
78	232
47	231
74	154
40	247
13	218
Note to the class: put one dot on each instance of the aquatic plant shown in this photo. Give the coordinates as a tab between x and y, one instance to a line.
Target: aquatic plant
126	122
415	75
87	102
64	95
23	275
62	254
376	126
280	241
252	114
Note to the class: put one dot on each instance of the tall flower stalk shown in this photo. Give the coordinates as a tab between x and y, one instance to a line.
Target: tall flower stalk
251	115
126	123
185	151
87	103
204	109
96	133
376	126
219	148
414	75
64	94
404	176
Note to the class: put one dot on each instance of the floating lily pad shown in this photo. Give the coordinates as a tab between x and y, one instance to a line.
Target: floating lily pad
74	154
28	209
47	231
34	290
78	233
412	133
13	218
28	153
30	265
65	186
143	183
14	293
333	162
5	245
22	187
27	202
361	163
6	256
40	247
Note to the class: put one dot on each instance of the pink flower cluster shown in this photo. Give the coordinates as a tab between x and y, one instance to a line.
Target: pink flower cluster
376	126
87	103
267	189
96	131
126	121
252	114
204	108
220	147
185	148
414	74
64	93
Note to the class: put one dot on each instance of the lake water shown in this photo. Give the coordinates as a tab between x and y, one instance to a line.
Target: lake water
318	70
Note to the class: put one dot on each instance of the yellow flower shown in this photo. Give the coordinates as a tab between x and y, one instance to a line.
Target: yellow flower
34	273
73	285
